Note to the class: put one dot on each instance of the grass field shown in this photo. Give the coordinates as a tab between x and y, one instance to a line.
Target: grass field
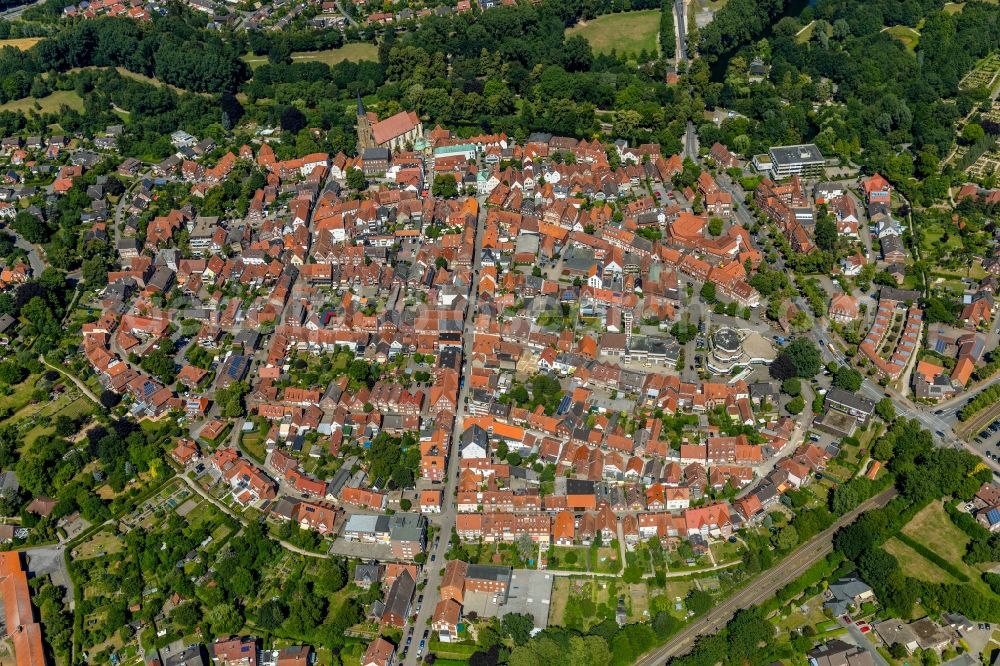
102	542
806	33
949	542
626	32
935	529
354	52
914	564
48	104
21	43
905	34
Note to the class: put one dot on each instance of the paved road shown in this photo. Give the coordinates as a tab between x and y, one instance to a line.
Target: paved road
14	12
34	254
763	587
446	519
862	641
340	8
49	560
682	55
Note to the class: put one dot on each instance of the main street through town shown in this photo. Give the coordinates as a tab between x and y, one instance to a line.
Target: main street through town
445	521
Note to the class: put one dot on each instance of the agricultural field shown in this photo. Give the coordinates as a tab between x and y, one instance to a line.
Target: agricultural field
625	32
354	52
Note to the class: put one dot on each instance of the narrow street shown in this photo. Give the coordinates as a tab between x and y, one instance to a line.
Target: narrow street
446	519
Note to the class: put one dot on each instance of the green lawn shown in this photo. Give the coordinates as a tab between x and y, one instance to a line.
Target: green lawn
48	104
806	33
354	52
933	527
914	564
253	444
905	34
625	32
579	564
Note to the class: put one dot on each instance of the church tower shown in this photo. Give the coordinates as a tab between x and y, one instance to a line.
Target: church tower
366	138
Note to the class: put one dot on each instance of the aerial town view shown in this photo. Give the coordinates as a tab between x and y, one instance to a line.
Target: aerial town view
499	332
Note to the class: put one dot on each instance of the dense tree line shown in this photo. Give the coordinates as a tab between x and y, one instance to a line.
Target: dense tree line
169	48
668	36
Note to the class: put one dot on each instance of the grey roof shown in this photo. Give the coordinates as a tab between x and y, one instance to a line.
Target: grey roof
192	655
375	154
398	601
9	482
851	400
805	153
489	572
475	435
407	526
579	487
849	588
839	653
370	572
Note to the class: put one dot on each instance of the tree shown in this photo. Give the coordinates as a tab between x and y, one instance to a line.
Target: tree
31	227
271	615
95	271
356	179
708	292
684	331
791	386
232	110
577	55
230	399
898	651
525	546
787	538
796	405
715	226
518	627
332	577
109	398
972	133
886	410
224	620
445	186
826	232
292	120
698	601
848	379
12	373
187	615
800	358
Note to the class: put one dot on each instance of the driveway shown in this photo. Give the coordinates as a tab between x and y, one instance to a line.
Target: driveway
49	561
855	637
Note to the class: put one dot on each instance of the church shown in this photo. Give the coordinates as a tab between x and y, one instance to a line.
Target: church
393	133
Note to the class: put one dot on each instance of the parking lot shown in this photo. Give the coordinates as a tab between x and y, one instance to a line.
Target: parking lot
988	441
